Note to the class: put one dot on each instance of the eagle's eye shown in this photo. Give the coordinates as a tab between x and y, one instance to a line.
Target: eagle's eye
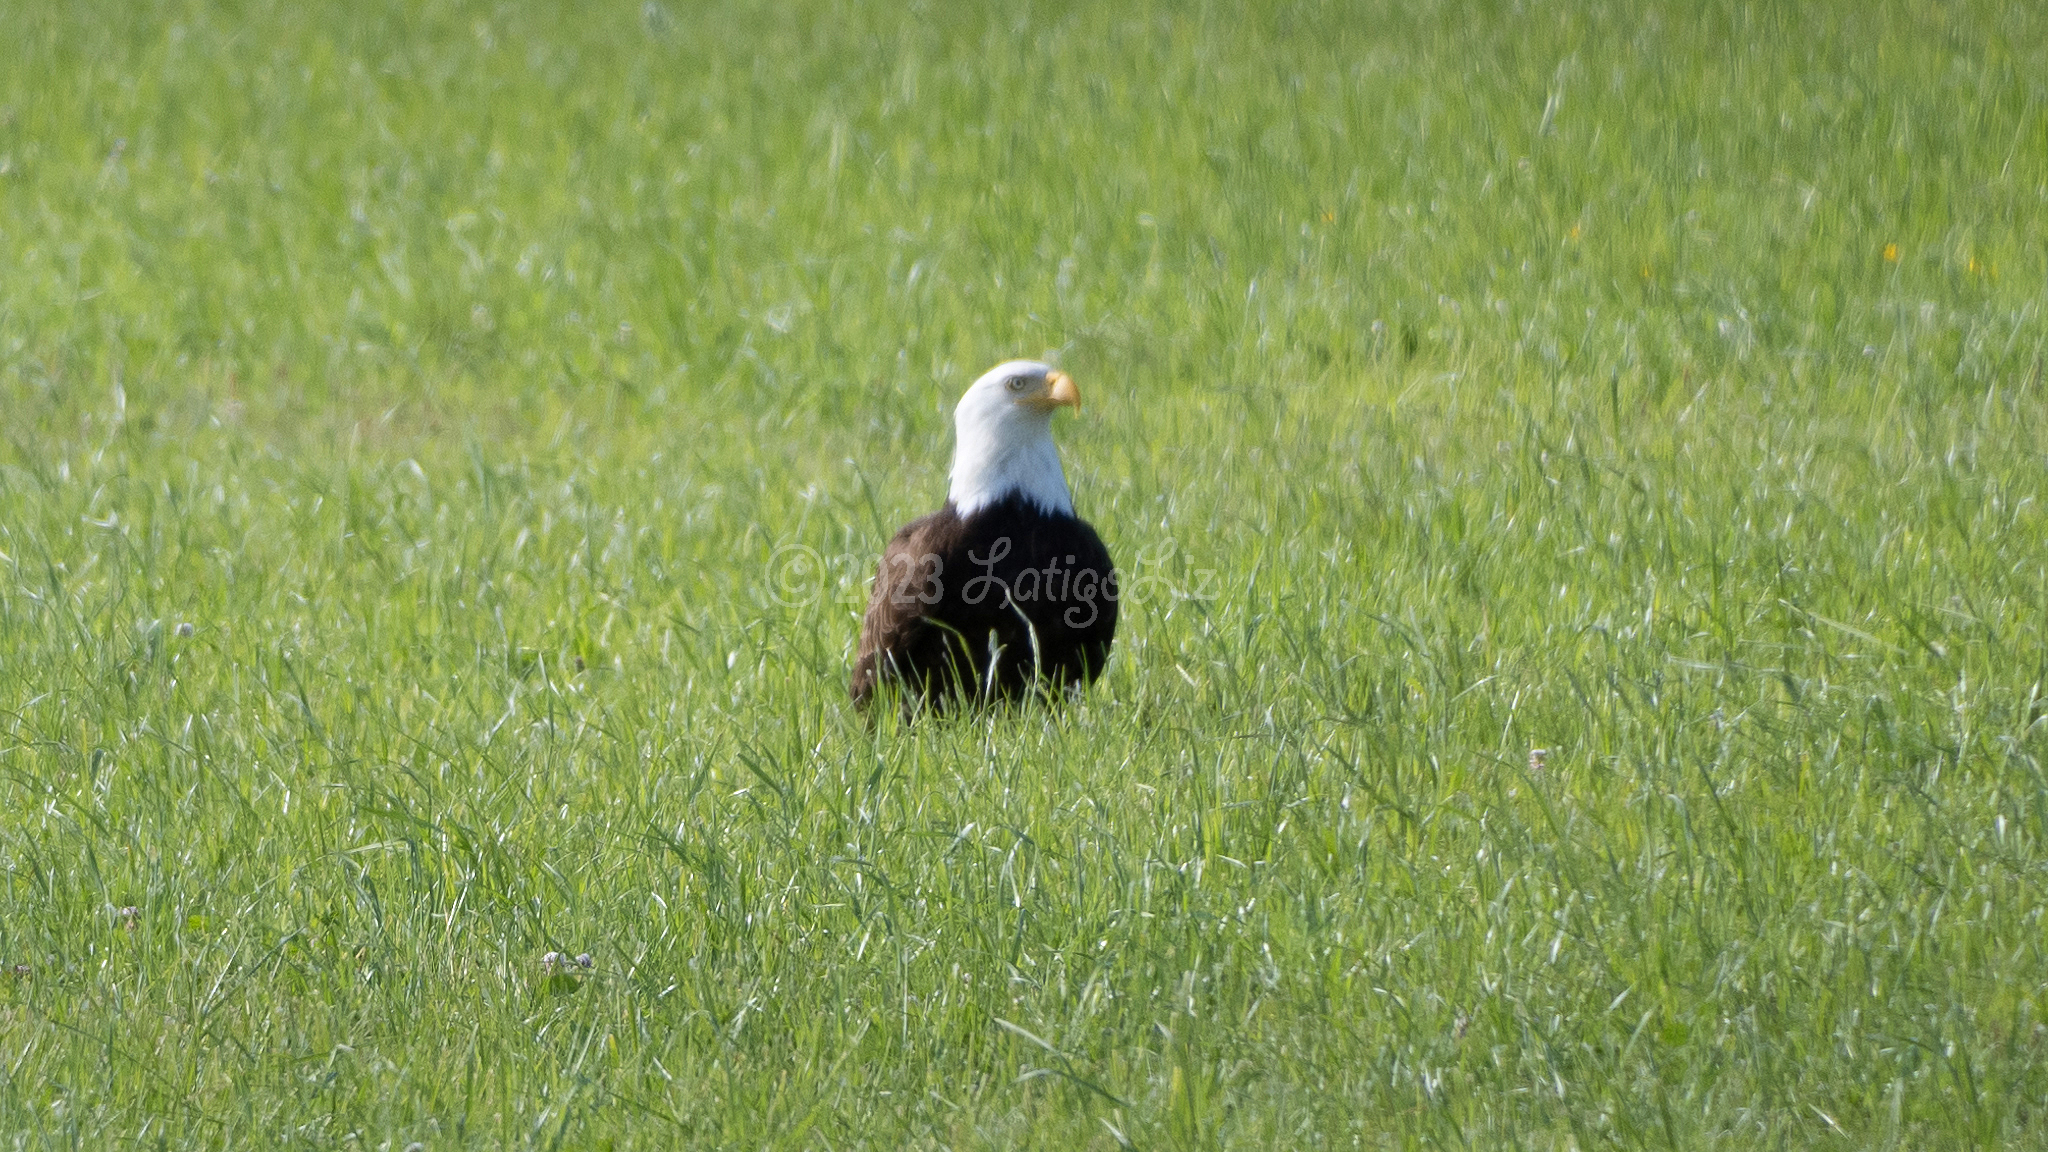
1018	383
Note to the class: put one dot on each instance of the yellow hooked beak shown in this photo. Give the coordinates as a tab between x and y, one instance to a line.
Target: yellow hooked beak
1061	389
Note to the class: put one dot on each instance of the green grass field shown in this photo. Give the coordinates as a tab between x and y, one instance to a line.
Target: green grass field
1584	468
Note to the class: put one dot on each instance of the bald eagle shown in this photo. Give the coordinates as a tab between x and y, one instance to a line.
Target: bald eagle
1004	590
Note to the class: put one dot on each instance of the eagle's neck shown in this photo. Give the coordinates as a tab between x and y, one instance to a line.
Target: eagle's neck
990	464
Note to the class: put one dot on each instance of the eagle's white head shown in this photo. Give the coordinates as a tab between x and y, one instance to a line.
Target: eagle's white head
1002	438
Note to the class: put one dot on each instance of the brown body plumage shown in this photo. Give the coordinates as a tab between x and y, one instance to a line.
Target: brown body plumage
978	607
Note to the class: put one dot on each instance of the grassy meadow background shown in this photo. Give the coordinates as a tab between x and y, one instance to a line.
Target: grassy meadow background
1585	464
